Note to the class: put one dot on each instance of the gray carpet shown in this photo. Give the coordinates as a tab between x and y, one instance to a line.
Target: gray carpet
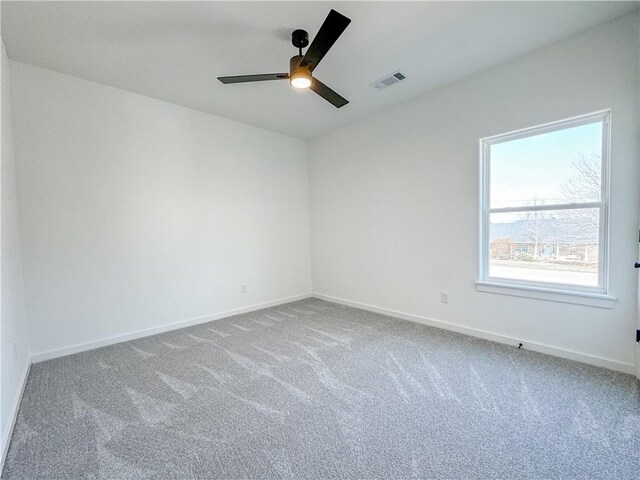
317	390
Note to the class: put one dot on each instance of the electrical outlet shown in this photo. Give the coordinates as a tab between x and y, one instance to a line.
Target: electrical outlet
444	297
243	288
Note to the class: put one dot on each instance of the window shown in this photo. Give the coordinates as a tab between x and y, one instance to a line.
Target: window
544	208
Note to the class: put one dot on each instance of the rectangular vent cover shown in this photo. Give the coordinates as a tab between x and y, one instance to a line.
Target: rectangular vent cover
388	80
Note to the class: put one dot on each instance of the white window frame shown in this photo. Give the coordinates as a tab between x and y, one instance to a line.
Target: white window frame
585	295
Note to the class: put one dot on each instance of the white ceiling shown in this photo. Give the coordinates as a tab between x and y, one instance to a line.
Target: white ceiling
175	50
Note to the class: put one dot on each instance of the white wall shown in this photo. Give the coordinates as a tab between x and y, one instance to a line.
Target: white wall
136	213
394	198
14	348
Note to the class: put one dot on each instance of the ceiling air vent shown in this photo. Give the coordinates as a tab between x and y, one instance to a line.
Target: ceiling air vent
388	80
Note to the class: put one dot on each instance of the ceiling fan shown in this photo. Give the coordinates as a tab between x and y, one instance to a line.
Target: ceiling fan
301	66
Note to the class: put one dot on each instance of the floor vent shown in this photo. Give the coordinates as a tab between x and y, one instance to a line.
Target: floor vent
388	80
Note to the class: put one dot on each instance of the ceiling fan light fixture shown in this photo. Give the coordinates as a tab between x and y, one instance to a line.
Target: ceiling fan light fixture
299	77
301	80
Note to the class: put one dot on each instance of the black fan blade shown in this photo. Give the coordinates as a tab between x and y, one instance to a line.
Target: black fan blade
331	29
254	78
328	94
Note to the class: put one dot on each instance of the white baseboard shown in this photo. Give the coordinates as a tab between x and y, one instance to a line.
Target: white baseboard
61	352
13	415
537	347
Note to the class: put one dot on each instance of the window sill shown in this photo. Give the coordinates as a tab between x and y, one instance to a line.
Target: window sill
589	299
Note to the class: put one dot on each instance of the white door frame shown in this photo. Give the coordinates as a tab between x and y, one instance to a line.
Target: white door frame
637	334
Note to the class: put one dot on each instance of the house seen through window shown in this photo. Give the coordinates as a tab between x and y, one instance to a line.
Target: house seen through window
544	206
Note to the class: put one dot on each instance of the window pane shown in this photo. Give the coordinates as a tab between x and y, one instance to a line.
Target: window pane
563	166
559	246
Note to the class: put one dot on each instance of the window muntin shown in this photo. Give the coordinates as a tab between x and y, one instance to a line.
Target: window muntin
545	206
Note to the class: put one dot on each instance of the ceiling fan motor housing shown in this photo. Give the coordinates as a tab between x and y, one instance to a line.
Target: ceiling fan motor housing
294	64
299	77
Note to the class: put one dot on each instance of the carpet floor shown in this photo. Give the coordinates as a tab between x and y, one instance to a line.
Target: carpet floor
312	389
